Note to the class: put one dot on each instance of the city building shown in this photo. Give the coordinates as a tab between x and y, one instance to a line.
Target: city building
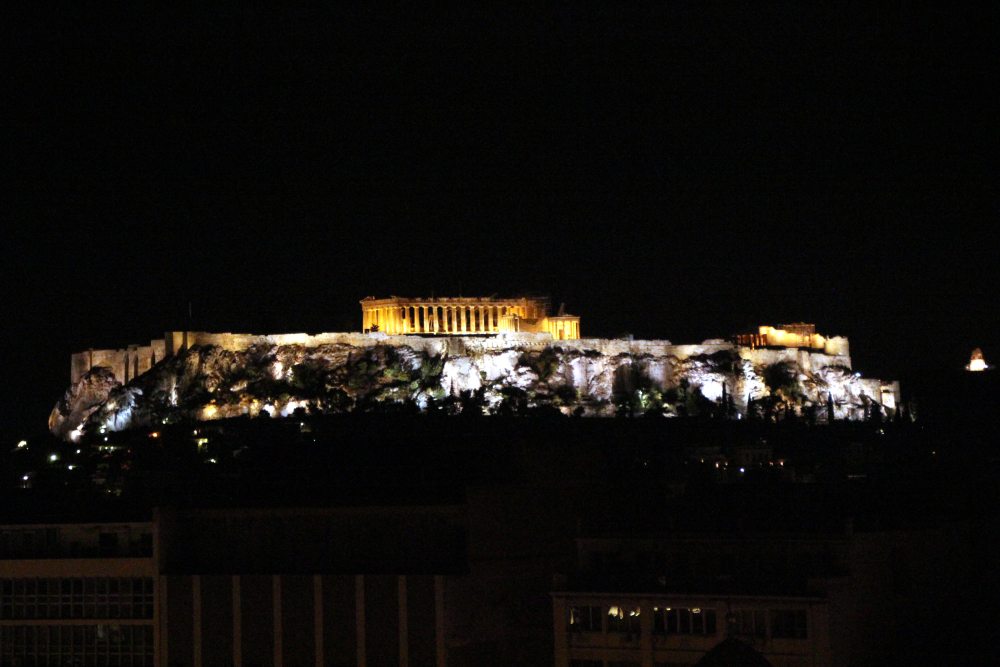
348	586
78	594
798	599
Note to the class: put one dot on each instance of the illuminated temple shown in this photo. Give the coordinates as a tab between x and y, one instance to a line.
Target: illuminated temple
455	316
799	334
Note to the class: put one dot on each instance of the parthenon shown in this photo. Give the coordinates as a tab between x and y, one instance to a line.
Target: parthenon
465	315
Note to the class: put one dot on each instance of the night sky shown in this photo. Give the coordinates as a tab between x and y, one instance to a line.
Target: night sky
670	171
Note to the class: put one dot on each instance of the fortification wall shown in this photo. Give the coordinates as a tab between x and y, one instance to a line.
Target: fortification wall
808	359
126	363
837	346
134	360
597	371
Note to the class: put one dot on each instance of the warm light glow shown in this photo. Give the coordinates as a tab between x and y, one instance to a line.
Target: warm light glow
154	434
799	334
976	362
22	444
465	315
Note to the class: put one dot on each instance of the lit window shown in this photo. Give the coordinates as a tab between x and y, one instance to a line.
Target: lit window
623	619
684	621
584	619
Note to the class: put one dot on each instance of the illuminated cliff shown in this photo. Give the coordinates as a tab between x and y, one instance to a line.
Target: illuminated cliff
225	375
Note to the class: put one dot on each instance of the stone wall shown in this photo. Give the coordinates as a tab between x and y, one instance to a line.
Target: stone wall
659	358
126	363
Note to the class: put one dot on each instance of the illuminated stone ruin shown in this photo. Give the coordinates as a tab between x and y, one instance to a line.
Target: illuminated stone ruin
456	316
799	334
977	362
420	352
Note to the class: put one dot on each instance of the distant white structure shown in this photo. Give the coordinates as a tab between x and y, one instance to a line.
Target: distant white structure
977	362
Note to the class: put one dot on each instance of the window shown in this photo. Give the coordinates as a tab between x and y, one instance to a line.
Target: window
76	598
684	621
108	544
584	619
788	624
751	623
77	645
623	619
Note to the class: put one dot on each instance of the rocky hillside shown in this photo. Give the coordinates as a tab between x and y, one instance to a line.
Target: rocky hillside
713	379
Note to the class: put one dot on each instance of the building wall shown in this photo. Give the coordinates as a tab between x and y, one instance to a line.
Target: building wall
648	645
77	594
258	619
141	612
126	363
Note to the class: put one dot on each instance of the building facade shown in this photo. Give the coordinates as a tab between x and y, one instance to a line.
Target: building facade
278	587
800	600
465	315
650	630
78	594
798	334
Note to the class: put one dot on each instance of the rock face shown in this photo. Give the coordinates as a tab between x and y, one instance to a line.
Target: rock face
506	374
80	401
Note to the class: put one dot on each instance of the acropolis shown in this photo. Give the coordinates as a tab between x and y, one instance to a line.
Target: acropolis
422	350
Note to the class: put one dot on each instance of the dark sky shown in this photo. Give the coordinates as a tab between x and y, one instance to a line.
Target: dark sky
677	170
